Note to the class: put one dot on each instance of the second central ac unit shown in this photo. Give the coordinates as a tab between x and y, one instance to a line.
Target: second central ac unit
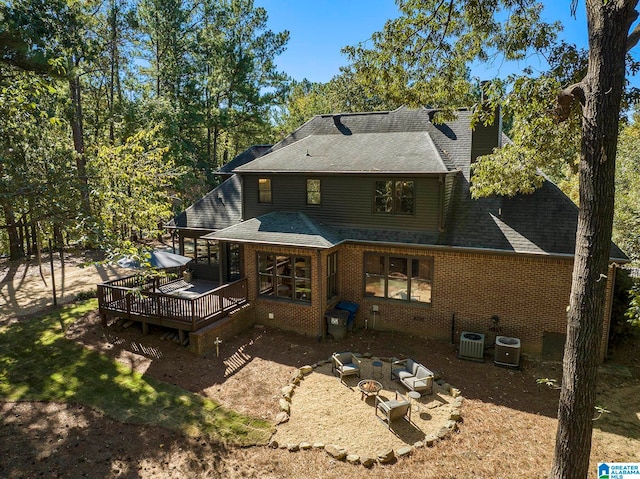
507	351
471	346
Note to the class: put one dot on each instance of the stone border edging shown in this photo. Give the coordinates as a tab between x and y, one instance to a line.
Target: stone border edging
340	453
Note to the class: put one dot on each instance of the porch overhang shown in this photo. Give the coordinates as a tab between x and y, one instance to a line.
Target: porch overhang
280	228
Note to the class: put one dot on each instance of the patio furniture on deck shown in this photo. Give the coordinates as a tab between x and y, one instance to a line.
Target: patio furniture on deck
397	408
345	364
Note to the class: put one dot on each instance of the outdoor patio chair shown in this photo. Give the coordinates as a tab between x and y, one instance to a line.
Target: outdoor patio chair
345	364
397	408
413	375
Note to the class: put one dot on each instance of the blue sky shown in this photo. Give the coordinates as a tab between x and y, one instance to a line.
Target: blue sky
320	28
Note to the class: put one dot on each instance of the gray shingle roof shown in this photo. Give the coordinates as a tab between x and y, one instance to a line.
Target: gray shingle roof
541	223
396	152
218	209
243	158
283	228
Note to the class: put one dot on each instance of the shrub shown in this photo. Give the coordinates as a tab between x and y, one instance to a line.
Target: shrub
84	295
625	311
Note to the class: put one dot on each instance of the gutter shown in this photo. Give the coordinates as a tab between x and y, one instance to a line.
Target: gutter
454	249
466	249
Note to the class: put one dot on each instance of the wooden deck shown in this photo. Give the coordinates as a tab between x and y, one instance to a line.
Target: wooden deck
174	303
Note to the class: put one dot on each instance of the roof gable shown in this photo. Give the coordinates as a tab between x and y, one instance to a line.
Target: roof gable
218	209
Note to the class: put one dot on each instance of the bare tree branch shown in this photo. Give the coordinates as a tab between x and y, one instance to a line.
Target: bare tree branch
633	38
574	7
566	98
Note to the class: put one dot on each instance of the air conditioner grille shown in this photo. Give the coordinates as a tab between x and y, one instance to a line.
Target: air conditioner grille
471	346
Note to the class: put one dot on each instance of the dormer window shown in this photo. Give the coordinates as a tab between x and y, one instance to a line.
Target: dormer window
394	197
264	190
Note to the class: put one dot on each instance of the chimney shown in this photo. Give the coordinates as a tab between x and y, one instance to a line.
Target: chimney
484	138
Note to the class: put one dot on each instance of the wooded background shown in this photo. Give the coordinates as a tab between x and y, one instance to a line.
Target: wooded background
115	114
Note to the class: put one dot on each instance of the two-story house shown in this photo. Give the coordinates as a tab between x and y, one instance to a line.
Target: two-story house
375	208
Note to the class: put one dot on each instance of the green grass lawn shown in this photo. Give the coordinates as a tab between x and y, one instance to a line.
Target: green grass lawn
37	363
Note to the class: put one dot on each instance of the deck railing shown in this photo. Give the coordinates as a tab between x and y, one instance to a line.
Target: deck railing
137	298
142	282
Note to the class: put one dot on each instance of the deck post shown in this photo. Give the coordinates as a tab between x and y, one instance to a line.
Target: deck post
145	328
181	335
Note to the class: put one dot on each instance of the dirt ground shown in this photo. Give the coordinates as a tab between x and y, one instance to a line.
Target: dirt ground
27	287
508	427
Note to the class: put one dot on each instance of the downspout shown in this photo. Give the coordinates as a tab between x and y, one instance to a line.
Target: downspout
242	202
441	217
321	297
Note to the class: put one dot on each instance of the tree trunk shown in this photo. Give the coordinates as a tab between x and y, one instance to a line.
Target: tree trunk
609	24
207	102
16	250
78	142
215	147
113	63
156	41
35	245
58	239
26	234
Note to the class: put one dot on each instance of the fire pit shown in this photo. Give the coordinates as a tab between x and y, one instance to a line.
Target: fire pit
369	387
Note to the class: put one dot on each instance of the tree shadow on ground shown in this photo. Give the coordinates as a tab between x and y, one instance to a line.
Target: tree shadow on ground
286	351
38	363
254	365
71	441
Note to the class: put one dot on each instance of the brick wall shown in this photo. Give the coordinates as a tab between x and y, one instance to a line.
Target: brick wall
529	295
203	341
299	317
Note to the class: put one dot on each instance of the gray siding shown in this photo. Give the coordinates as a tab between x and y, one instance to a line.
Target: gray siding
347	200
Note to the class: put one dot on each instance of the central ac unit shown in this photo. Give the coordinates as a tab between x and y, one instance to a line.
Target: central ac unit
471	346
507	352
